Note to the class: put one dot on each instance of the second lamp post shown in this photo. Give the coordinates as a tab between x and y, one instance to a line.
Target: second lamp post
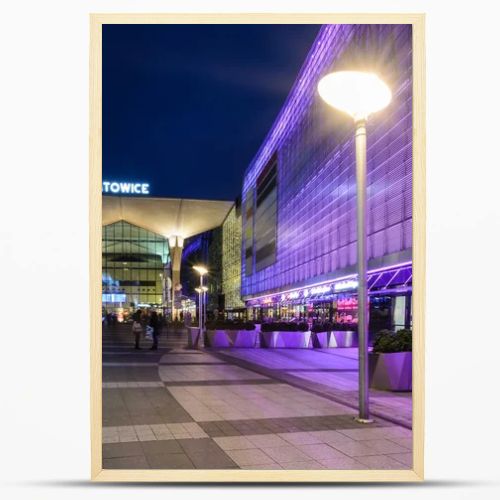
201	270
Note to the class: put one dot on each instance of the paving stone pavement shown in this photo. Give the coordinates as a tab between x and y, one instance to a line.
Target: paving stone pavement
179	408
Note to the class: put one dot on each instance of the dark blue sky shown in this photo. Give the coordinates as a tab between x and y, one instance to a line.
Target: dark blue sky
186	107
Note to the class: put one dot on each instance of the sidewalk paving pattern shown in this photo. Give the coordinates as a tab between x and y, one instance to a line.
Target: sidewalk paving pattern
179	408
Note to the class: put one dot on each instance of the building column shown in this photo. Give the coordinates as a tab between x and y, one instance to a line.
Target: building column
176	244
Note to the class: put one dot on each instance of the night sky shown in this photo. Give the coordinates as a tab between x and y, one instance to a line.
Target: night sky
186	107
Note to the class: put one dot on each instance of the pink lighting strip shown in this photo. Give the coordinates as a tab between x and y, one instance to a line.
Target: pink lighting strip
269	297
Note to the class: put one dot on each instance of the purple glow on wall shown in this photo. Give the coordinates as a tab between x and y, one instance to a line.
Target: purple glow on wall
379	281
316	229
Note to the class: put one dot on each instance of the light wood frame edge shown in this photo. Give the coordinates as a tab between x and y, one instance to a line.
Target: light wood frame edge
419	251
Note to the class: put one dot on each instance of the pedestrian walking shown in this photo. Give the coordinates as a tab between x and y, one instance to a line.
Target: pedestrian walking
154	323
137	328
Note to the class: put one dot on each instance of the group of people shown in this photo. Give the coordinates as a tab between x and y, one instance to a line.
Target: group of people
110	319
141	321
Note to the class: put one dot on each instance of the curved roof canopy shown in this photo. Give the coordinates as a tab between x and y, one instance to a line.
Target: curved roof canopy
165	216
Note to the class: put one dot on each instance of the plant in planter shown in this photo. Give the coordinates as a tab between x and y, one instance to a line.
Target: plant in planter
346	334
391	361
387	341
321	335
322	327
230	334
282	334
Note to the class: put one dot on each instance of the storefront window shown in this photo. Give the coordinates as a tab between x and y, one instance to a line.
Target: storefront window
399	312
133	267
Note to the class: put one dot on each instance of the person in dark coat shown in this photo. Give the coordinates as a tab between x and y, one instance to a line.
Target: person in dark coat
154	323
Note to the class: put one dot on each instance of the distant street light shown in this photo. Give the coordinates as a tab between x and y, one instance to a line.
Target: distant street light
359	95
201	270
199	291
204	290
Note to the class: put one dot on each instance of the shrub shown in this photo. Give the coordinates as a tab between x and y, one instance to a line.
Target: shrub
322	327
387	341
230	325
345	327
284	327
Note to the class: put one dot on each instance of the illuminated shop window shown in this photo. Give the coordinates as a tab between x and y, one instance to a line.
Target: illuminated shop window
132	261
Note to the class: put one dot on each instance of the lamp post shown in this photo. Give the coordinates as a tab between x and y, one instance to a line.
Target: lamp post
358	94
200	292
176	244
201	270
204	290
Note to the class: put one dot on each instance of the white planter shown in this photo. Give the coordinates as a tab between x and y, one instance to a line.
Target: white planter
193	337
286	340
230	338
391	371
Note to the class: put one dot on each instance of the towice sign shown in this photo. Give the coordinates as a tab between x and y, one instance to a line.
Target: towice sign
125	187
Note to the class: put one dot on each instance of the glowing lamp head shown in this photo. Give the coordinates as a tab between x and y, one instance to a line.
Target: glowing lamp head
198	289
356	93
200	270
175	241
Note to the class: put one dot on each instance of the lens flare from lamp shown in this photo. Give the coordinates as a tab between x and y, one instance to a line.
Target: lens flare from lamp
356	93
201	270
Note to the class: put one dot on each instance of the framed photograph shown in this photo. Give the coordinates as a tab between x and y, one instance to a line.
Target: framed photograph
257	247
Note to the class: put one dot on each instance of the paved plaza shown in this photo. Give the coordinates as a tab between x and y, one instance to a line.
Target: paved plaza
180	408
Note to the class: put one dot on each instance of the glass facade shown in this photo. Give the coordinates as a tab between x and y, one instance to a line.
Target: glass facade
265	217
133	267
195	253
313	150
231	259
214	277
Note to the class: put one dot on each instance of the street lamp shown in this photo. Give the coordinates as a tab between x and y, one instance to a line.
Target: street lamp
204	290
199	291
358	94
201	270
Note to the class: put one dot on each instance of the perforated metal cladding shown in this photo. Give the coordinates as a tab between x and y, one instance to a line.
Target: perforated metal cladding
316	190
231	259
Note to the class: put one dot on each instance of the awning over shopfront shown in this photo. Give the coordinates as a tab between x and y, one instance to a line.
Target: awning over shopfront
396	279
390	279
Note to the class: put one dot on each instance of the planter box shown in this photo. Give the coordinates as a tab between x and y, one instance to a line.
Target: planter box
193	337
347	338
287	340
230	338
391	371
321	340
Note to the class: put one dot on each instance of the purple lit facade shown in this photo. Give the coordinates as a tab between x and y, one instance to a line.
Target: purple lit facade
299	192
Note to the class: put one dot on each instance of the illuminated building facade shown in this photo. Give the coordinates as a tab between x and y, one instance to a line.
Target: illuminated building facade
299	192
231	262
134	263
214	276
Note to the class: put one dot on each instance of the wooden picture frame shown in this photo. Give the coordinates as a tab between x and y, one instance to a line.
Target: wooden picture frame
419	246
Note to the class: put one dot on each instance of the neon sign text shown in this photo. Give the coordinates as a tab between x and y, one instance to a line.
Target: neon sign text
345	285
125	187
